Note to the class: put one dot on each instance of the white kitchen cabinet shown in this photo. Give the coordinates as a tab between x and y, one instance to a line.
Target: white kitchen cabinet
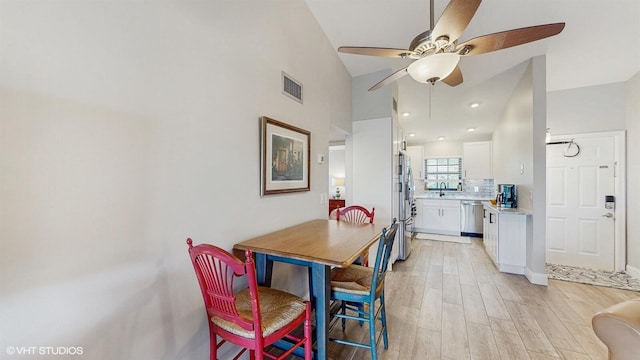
505	239
490	233
437	216
416	154
477	160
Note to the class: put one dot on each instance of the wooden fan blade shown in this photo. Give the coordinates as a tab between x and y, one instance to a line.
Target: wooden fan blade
507	39
454	19
455	78
374	51
389	79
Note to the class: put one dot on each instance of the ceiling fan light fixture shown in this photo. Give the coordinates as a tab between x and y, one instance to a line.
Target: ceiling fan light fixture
434	67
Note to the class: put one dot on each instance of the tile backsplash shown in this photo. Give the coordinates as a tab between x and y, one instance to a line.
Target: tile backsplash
486	187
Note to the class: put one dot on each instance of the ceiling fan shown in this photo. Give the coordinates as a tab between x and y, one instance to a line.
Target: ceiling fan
437	53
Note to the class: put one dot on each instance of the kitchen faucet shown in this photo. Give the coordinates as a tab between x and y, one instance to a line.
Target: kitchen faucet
442	188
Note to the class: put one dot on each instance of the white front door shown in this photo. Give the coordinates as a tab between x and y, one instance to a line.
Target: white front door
580	230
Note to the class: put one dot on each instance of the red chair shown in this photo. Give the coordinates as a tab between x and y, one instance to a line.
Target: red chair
357	214
254	317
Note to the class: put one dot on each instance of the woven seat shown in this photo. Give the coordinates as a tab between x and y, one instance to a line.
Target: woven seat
355	279
357	285
254	317
277	309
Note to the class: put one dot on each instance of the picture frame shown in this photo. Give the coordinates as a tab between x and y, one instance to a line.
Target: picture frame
285	153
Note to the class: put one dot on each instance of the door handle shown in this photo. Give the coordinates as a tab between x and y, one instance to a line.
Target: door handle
608	215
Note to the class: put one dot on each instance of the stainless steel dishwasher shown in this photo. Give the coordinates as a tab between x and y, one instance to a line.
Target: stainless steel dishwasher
471	218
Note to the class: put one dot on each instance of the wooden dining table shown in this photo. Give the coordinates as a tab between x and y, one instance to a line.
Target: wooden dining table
319	245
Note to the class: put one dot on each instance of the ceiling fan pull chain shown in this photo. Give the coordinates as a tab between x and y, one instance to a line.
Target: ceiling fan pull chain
430	90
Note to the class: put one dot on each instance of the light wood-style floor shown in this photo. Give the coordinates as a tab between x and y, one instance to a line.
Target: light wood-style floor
448	301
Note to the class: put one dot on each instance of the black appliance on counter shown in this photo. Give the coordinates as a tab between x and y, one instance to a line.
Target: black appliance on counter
507	196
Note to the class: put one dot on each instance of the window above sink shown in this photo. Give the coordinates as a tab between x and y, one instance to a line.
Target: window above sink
443	170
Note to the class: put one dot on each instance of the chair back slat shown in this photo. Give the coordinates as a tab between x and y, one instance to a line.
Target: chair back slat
355	214
385	245
216	270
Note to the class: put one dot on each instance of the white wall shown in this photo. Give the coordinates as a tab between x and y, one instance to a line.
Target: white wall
632	97
518	143
513	144
126	127
371	104
589	109
373	166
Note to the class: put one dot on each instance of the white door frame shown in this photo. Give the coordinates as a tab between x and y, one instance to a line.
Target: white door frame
620	180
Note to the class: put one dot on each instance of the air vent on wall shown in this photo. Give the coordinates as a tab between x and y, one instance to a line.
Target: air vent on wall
291	88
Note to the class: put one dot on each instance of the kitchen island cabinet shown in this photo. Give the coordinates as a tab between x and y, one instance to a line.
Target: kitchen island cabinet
505	233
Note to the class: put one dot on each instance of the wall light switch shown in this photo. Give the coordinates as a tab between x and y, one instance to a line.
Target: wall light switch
320	158
475	189
521	169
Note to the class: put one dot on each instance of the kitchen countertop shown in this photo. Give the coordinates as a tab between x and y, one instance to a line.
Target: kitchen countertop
452	196
514	211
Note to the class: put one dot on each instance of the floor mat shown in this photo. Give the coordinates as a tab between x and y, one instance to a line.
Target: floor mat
449	238
613	279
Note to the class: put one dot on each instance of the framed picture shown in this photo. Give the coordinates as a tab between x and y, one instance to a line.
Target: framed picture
285	152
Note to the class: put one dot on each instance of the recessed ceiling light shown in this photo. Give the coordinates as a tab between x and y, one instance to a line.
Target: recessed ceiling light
471	129
406	114
440	138
412	134
474	104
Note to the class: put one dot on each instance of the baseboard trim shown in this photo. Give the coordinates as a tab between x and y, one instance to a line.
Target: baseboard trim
536	278
449	238
633	271
512	269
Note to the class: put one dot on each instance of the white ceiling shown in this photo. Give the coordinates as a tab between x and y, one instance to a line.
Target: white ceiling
599	45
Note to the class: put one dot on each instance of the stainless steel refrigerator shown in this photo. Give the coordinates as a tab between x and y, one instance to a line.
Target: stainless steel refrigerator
405	206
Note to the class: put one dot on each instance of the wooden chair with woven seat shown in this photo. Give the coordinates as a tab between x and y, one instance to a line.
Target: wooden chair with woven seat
357	285
357	214
254	317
